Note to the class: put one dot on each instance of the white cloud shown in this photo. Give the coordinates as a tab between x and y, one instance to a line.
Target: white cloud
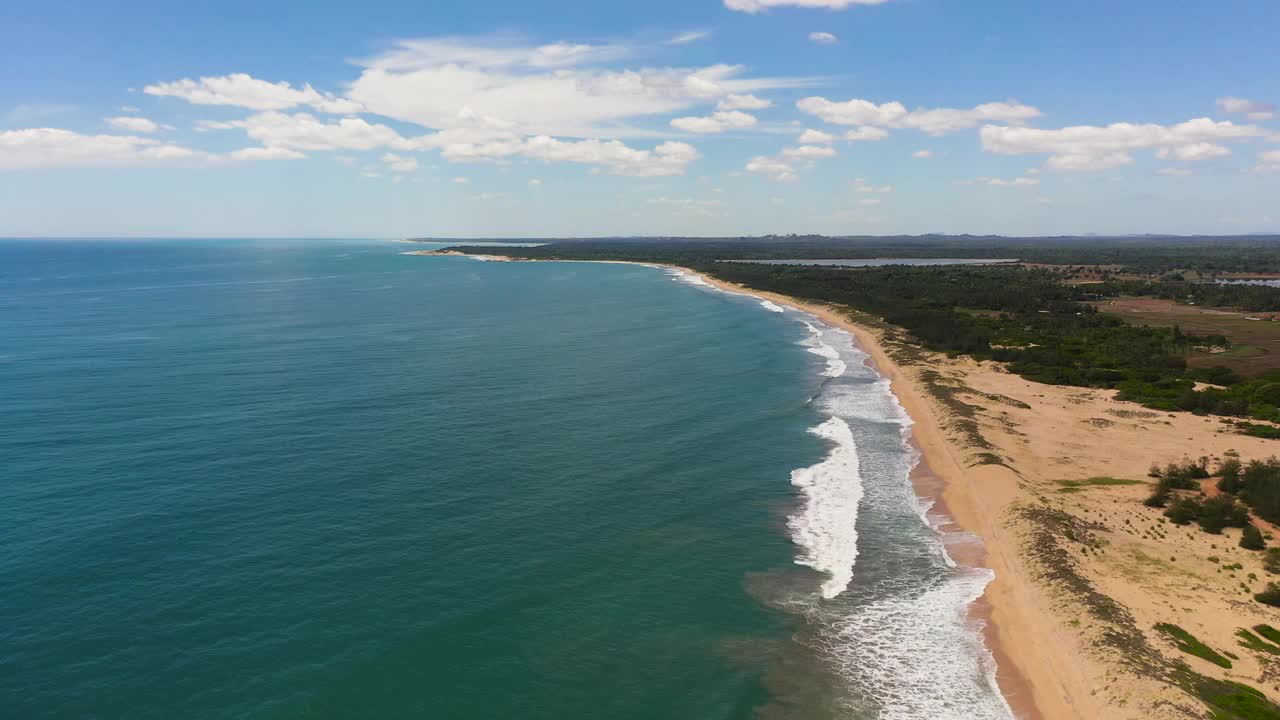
265	153
782	166
36	148
922	154
1087	163
399	163
1173	171
755	6
860	186
1269	161
461	180
937	121
304	131
1001	182
242	90
862	134
550	89
772	168
51	147
692	36
866	134
717	122
491	52
535	182
1195	151
809	151
1085	148
823	38
816	137
129	109
134	124
742	102
668	158
869	201
1251	109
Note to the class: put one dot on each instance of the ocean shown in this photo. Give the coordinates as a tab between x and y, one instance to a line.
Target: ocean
324	479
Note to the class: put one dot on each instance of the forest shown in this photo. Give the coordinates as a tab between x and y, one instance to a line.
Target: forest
1140	255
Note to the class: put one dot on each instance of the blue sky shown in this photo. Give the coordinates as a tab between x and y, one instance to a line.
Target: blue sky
700	117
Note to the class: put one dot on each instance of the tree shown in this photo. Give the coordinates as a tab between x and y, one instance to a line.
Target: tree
1271	561
1251	538
1183	510
1270	596
1230	481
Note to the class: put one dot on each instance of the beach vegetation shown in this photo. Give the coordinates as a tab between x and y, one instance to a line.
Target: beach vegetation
1187	643
1260	487
1229	476
1270	596
1183	510
1271	560
1251	641
1119	633
1268	632
1219	512
1251	538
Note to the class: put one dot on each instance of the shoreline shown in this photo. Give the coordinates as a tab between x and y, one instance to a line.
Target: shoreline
937	476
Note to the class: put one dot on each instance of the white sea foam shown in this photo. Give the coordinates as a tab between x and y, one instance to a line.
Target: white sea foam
836	366
687	277
916	653
771	306
826	528
915	657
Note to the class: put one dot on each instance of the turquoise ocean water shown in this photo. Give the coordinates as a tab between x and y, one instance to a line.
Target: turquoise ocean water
323	479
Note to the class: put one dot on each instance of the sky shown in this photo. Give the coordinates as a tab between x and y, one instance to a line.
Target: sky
574	118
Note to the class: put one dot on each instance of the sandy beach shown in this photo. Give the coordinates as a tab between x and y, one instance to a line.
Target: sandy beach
1051	662
999	452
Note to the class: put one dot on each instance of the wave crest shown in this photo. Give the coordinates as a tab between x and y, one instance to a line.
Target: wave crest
826	528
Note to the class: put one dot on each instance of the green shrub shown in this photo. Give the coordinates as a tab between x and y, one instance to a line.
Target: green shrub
1261	480
1271	561
1268	632
1183	510
1255	643
1221	512
1270	596
1230	481
1251	539
1187	643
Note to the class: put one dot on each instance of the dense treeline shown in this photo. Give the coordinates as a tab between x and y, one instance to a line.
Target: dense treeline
1147	255
1253	298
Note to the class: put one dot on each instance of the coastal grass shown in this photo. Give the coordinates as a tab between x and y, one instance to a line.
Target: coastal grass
1072	486
1268	632
1189	644
1252	642
964	416
1047	545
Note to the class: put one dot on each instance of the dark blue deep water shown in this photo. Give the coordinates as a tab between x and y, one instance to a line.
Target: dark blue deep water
323	479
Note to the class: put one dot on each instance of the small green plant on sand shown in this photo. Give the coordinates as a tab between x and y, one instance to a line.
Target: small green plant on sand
1187	643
